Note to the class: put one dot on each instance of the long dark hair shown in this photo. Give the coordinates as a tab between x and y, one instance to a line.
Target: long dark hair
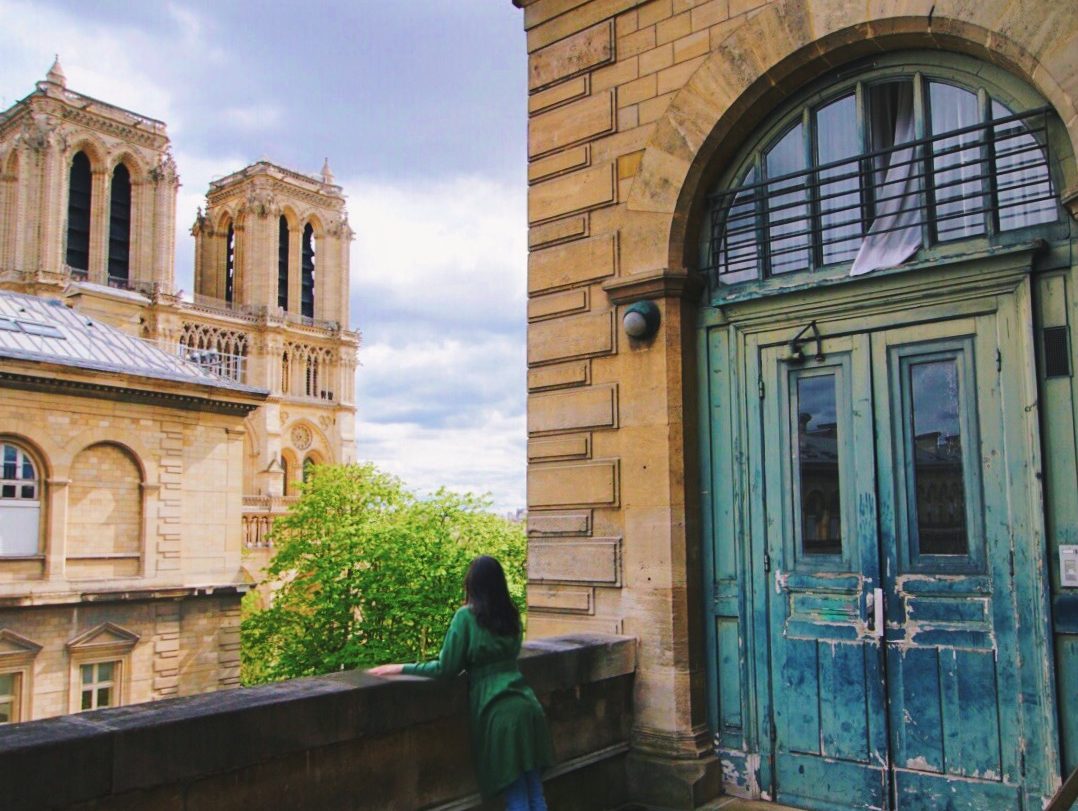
488	596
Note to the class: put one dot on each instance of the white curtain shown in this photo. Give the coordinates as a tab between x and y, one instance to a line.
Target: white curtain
895	234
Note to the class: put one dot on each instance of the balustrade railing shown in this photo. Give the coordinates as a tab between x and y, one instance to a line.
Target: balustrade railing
259	513
220	364
979	180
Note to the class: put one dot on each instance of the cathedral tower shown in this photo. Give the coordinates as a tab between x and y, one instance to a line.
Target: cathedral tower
87	193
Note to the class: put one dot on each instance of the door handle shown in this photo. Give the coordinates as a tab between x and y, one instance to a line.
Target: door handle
874	609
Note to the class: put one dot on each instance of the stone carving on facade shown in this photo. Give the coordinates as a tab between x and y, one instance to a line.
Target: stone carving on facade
207	336
302	437
39	133
165	170
284	417
339	227
262	203
201	225
325	421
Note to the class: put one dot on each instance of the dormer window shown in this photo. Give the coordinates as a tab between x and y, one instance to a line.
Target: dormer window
878	169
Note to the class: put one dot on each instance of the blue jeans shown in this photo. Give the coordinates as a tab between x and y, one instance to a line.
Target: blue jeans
525	793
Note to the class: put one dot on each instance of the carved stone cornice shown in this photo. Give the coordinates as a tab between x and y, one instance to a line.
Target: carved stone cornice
654	284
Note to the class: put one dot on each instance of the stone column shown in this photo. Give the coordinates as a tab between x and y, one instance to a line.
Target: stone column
99	226
148	546
56	491
162	232
672	761
295	257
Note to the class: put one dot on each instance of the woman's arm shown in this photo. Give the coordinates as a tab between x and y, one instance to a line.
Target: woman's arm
450	661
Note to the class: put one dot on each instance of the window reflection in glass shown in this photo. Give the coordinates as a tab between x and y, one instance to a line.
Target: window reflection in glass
938	478
787	204
837	141
819	479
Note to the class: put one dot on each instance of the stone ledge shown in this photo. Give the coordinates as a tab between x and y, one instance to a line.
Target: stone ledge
229	741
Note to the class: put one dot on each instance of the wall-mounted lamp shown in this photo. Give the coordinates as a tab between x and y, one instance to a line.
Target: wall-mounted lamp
641	320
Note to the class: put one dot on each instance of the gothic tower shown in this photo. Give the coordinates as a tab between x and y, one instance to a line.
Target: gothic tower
87	193
271	254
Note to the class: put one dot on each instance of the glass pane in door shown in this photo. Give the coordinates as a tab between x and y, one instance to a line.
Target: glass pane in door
818	475
938	477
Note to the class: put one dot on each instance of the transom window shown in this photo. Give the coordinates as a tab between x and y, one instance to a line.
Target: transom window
19	477
871	171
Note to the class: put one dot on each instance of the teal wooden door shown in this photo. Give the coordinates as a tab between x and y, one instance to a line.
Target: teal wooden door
893	666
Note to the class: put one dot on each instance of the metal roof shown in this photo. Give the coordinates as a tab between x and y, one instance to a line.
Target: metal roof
41	329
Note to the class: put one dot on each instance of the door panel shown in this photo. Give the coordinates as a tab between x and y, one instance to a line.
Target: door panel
946	548
884	473
827	689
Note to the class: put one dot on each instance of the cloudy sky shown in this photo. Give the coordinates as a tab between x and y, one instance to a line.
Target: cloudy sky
419	106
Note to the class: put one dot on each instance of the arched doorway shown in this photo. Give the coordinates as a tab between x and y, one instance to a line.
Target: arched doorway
875	530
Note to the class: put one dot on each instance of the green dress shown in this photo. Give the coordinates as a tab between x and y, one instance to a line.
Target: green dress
509	731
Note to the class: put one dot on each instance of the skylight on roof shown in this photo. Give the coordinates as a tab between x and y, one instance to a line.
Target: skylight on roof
35	328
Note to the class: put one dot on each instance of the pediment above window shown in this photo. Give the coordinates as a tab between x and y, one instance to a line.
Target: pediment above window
16	649
108	637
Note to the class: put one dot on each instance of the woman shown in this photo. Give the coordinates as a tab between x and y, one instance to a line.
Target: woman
509	732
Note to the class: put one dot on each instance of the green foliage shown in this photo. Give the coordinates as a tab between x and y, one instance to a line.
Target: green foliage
370	573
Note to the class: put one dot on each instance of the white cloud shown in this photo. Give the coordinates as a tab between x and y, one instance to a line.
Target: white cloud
438	290
252	118
486	457
454	248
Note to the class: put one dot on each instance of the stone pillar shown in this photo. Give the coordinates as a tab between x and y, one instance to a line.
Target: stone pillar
148	545
99	226
162	232
234	506
56	491
295	257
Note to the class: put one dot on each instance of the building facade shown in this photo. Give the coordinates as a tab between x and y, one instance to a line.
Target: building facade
129	581
801	410
120	505
87	213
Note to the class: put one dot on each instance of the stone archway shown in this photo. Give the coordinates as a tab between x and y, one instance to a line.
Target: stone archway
786	45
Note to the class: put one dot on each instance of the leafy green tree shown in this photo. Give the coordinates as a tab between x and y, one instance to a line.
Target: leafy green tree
369	573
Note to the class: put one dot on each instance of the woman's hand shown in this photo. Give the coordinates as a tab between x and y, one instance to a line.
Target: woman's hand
386	670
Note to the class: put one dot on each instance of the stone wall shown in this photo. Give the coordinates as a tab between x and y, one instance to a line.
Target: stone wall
345	741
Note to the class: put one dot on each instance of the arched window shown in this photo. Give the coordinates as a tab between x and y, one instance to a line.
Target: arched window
286	372
120	226
282	263
20	502
286	476
873	169
79	192
308	466
307	273
230	263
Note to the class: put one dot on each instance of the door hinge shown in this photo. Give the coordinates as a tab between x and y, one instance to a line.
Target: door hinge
760	386
767	562
999	361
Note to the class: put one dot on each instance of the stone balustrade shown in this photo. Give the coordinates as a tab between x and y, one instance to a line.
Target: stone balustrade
342	741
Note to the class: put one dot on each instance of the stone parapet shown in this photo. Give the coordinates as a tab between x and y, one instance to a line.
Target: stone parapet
347	740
